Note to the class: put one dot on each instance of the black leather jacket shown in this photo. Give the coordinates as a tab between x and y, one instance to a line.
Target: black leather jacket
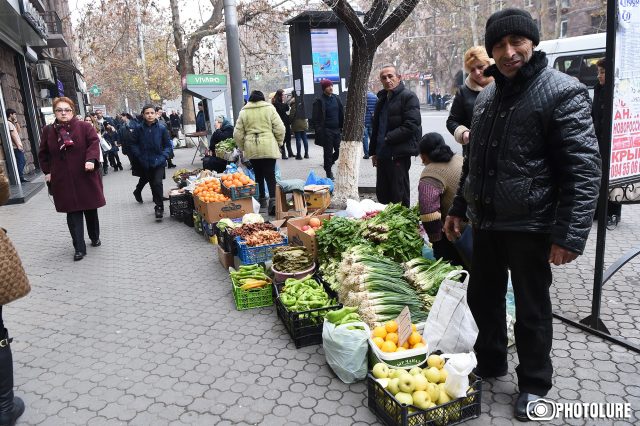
404	122
534	164
461	108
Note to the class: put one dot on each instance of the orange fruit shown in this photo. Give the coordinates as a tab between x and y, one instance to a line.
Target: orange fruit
406	345
380	332
388	347
413	327
392	337
401	348
415	338
391	326
418	345
379	341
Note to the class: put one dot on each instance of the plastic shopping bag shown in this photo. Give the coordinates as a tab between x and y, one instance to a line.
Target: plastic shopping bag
458	367
450	326
346	350
313	179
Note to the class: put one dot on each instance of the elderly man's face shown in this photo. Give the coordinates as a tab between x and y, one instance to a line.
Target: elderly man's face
99	113
511	53
389	78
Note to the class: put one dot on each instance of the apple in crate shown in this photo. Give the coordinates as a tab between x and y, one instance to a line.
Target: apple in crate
380	371
305	228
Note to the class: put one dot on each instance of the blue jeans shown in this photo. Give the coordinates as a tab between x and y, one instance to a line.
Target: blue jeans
20	162
302	136
365	140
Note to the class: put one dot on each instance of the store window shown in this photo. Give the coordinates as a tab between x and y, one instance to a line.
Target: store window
564	26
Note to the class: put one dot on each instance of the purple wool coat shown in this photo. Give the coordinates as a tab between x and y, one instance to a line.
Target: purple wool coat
73	188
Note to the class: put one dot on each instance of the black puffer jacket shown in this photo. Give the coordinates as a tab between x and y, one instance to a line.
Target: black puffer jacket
533	164
404	128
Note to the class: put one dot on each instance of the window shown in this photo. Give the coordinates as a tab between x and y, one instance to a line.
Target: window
582	67
497	5
564	25
599	23
528	3
454	23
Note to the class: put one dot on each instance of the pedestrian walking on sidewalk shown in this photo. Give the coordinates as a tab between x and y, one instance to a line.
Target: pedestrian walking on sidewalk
151	149
299	125
328	119
70	159
531	182
16	141
283	109
11	407
370	107
111	136
396	132
259	132
476	60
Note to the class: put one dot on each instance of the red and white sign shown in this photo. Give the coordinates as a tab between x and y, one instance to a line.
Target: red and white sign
625	142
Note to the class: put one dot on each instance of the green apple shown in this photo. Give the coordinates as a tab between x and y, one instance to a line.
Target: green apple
407	383
415	371
421	382
384	382
435	361
404	398
396	373
380	371
393	385
444	397
433	391
421	399
432	374
443	375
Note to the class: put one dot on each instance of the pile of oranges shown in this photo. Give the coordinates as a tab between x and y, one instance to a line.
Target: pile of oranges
209	191
237	179
386	338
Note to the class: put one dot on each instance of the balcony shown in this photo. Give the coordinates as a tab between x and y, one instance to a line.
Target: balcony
55	38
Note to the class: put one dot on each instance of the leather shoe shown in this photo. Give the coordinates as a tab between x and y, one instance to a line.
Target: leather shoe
524	411
489	374
138	196
78	256
10	417
96	243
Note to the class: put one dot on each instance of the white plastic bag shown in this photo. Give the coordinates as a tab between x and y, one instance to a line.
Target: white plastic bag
346	350
450	326
458	367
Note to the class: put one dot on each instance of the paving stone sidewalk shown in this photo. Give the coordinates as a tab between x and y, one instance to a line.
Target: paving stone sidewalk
144	330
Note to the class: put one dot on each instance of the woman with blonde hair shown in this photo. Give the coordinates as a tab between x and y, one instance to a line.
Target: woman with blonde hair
476	60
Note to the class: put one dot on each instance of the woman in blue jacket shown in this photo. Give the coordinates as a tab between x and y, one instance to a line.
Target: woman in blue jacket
151	148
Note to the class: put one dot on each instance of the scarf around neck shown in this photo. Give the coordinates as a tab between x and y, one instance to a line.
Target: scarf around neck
62	130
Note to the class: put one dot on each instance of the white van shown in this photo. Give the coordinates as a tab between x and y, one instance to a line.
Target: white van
576	56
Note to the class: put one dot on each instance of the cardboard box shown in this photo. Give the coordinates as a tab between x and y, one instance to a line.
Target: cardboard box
225	258
318	199
297	237
213	212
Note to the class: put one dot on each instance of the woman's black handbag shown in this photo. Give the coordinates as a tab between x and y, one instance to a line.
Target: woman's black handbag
214	164
464	245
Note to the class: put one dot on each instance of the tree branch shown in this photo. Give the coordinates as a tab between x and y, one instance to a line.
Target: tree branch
348	16
373	18
394	20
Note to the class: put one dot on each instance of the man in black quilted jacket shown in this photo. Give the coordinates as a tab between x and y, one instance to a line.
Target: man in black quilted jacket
529	188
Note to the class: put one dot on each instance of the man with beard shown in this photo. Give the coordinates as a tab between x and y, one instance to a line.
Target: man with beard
529	188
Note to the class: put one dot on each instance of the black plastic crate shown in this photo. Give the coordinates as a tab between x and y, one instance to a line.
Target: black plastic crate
226	241
181	205
304	331
382	403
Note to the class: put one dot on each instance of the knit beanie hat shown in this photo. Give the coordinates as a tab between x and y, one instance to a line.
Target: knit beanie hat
510	21
324	83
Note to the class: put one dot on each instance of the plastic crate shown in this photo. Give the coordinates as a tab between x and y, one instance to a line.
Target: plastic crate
225	240
258	254
249	299
304	330
391	412
181	205
239	192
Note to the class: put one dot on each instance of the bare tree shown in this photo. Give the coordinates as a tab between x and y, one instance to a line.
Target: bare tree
366	35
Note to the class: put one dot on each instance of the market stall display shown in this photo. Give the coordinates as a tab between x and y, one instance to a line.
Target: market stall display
256	241
291	262
252	287
237	185
226	150
302	305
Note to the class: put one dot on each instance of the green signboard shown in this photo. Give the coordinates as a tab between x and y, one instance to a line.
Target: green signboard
95	90
206	80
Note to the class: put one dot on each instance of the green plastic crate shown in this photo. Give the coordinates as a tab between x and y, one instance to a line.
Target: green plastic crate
250	299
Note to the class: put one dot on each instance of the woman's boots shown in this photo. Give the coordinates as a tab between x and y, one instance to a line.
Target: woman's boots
10	407
272	207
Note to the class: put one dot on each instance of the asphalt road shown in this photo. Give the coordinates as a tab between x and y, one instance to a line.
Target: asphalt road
435	121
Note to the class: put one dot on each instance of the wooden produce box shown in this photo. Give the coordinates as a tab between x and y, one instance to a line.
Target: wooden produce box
214	211
225	258
298	237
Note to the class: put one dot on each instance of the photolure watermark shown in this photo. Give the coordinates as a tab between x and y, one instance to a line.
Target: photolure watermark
544	409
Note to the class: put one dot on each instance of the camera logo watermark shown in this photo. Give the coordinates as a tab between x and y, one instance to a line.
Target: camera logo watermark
544	409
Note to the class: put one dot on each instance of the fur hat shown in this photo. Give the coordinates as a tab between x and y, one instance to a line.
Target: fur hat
324	83
510	21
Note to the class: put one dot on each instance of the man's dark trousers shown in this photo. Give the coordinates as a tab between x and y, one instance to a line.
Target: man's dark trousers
526	254
331	146
392	181
154	178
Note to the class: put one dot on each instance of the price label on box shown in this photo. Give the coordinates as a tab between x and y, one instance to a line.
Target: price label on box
404	326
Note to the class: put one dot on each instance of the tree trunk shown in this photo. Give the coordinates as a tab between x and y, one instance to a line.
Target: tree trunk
348	170
558	18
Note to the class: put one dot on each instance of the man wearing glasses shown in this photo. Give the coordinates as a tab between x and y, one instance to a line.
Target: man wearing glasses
396	130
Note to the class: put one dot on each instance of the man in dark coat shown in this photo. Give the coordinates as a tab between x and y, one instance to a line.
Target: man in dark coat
530	185
395	134
328	119
370	107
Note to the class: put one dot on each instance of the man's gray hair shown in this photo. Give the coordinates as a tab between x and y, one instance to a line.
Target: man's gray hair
390	66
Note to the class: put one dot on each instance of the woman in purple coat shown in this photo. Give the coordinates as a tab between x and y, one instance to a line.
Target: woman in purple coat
69	157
